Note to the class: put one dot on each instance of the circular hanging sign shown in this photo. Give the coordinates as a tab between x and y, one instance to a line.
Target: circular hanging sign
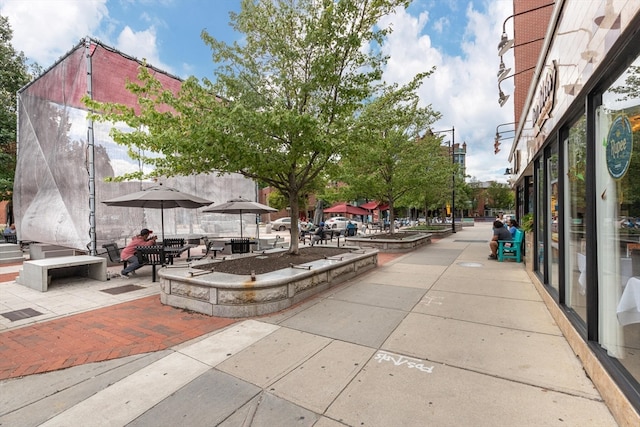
619	147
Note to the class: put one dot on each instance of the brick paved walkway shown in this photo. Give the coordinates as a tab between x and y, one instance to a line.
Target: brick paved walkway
120	330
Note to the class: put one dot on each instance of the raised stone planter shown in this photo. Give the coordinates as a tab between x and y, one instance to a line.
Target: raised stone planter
230	295
391	245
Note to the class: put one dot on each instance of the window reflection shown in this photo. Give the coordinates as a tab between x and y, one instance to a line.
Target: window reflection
618	213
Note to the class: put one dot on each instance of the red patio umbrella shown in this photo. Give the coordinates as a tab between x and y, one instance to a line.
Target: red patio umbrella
345	208
374	205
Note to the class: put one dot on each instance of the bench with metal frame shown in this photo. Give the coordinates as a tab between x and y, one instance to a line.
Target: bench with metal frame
113	252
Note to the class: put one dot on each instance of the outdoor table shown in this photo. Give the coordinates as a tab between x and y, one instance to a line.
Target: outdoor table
172	252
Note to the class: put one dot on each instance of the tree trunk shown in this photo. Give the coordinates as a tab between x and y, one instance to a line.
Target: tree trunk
295	231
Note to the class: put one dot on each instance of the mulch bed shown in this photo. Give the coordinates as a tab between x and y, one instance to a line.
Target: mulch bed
269	262
394	236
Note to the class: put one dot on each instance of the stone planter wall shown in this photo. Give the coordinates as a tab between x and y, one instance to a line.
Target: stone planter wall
230	295
392	245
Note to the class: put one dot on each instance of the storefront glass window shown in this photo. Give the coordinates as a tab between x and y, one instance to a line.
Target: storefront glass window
618	219
540	224
574	219
552	216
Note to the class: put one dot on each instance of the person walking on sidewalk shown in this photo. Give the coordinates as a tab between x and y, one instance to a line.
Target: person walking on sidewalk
129	252
500	232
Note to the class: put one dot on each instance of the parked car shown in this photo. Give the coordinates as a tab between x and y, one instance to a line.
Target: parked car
281	224
340	222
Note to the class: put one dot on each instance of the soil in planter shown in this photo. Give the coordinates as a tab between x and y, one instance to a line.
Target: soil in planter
395	236
269	262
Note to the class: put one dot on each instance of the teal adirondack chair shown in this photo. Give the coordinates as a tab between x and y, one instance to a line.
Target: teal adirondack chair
514	250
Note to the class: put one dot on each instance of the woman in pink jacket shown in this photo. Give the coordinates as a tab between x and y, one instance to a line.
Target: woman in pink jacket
129	252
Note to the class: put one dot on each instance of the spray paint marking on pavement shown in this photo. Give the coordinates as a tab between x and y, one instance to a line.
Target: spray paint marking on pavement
399	360
427	300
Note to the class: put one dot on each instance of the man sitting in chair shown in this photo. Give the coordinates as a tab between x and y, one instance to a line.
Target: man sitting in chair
10	230
500	232
318	233
352	229
129	252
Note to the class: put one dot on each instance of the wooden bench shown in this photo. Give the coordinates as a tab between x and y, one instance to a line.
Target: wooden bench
511	249
37	274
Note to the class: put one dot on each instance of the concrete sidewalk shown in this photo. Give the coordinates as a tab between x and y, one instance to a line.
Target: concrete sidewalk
440	336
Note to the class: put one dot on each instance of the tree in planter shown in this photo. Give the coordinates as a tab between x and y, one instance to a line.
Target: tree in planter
284	103
392	161
500	196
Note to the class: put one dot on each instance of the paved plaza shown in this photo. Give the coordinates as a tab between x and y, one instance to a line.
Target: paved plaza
440	336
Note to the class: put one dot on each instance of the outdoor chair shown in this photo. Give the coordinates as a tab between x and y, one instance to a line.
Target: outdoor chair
151	255
511	249
176	243
175	247
114	254
240	246
209	248
11	238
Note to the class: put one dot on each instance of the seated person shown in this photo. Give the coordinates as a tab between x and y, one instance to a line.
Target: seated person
305	230
129	252
351	229
513	226
10	230
500	232
318	233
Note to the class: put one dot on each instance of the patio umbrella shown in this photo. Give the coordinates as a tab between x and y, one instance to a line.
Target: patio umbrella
240	206
374	205
159	197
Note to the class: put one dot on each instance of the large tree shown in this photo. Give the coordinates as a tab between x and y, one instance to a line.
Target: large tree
395	155
14	73
284	102
500	196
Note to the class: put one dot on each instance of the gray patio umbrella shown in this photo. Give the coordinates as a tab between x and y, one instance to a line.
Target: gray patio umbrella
240	206
159	197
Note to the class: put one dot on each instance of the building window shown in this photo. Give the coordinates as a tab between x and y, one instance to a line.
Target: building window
617	194
552	216
574	218
540	223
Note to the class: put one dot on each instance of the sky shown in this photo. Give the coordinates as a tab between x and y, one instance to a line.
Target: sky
458	37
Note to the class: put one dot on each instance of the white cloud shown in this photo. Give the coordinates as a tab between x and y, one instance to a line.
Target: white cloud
142	45
48	29
463	88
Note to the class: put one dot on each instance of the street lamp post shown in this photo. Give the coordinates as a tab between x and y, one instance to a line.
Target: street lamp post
452	148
